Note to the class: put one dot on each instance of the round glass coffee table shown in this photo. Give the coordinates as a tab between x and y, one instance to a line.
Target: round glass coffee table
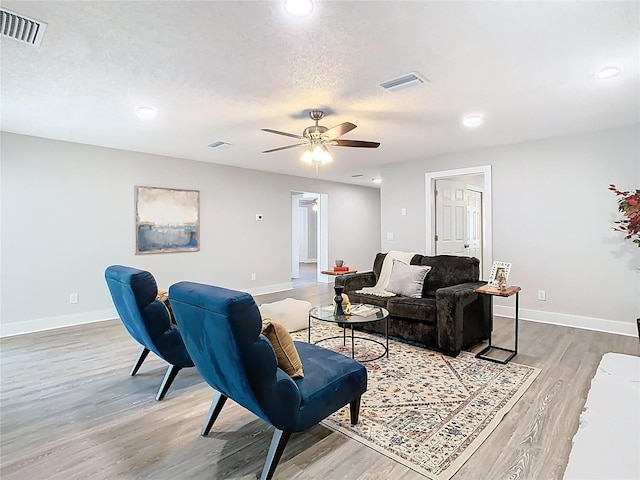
325	314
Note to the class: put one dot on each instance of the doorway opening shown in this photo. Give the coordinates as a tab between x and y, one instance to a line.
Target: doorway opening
309	237
458	211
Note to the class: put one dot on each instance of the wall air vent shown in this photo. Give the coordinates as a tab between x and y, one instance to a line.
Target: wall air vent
21	28
405	81
219	144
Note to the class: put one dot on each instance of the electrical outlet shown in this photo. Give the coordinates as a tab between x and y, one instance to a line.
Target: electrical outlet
403	212
73	298
542	295
253	276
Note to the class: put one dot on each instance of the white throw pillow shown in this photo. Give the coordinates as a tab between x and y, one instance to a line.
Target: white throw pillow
407	280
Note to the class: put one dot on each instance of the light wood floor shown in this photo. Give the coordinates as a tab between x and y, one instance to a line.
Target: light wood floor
69	410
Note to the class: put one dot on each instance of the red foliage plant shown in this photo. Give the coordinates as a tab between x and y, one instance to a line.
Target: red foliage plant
629	206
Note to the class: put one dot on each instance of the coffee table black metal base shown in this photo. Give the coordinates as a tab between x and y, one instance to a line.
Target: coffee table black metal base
325	313
354	337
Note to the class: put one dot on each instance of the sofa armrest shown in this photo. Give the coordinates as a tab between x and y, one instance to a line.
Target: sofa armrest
356	281
458	307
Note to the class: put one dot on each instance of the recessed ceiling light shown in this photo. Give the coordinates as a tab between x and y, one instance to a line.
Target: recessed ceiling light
298	8
146	112
472	120
609	72
376	180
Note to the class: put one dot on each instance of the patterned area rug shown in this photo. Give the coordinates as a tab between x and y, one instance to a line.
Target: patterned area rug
425	410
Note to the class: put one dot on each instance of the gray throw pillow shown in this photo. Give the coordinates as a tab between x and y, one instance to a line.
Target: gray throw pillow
406	279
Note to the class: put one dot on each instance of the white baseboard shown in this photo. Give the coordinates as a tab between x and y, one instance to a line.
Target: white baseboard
278	287
566	320
589	323
49	323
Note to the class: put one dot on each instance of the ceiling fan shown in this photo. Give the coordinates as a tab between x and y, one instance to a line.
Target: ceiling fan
317	137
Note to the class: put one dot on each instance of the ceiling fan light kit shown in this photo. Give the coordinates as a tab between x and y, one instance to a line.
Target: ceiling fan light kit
320	154
317	137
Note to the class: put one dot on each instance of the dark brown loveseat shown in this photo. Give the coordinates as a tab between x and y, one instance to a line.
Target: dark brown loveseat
448	317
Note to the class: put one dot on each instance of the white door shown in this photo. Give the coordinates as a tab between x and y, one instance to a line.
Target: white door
474	217
451	218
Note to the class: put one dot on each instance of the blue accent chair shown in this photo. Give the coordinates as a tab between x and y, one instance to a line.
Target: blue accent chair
148	321
222	331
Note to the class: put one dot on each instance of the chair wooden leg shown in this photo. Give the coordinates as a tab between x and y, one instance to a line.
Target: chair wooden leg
214	411
144	351
172	371
278	442
354	408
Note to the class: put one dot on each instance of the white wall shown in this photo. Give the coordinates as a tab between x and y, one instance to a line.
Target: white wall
68	213
552	218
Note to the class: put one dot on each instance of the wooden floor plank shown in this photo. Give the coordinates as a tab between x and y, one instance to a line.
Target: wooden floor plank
69	410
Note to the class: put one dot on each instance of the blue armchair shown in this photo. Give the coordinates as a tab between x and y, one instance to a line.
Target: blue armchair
148	321
222	332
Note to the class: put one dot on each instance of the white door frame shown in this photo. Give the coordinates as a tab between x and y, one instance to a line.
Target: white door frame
295	228
323	234
487	208
323	238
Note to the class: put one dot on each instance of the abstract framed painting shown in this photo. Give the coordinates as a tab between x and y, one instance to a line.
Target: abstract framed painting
167	220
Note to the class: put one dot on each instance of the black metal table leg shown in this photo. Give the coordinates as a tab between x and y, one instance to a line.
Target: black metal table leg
515	347
387	320
352	343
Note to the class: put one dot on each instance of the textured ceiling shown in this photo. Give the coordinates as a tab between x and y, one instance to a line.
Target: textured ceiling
223	70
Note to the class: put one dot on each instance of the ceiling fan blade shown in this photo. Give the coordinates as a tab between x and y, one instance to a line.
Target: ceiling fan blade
354	143
339	130
299	137
284	148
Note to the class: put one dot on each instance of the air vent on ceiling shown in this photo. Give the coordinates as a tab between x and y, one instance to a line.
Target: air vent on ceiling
218	144
405	81
21	28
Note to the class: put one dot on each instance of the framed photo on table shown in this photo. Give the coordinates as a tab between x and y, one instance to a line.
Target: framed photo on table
497	270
